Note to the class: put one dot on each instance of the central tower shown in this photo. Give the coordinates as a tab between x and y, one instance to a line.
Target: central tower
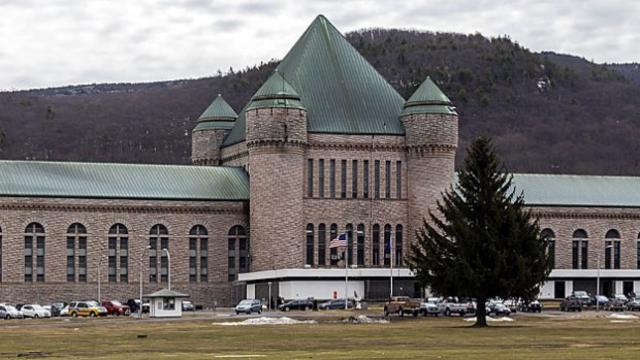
276	138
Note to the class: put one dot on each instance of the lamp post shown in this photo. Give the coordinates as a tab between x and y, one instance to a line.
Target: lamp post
100	258
598	277
166	251
269	299
141	267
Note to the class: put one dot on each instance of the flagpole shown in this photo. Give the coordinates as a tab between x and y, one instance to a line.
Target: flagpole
346	272
391	263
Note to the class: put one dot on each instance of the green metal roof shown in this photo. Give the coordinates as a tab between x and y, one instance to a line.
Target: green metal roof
275	92
341	91
428	98
122	181
219	115
218	110
578	190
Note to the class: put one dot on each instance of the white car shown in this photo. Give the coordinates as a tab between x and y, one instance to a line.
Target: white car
430	306
35	311
65	311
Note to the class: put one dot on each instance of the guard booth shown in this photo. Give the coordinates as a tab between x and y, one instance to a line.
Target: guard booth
165	303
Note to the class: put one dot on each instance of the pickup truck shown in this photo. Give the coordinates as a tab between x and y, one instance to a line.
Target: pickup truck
402	305
452	305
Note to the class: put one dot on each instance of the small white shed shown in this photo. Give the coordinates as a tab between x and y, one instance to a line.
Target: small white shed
166	303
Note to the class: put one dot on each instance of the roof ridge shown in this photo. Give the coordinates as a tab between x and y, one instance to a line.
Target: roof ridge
57	162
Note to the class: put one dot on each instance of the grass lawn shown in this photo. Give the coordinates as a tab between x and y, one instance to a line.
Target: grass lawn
528	337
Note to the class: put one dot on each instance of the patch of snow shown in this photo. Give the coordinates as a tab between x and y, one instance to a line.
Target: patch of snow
622	316
619	321
266	321
363	319
491	319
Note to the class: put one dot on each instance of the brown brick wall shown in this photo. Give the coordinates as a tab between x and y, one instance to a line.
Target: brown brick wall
98	216
205	146
276	124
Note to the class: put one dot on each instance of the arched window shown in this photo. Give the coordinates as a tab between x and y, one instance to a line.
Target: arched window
198	252
333	252
638	252
158	241
612	247
387	245
349	230
309	254
34	236
237	239
375	245
118	259
580	250
360	244
398	242
76	247
322	245
550	237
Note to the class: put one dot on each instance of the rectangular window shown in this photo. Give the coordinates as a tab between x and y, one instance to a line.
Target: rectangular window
40	259
354	179
242	248
399	179
638	255
551	247
321	178
376	179
231	246
71	265
584	254
332	178
365	179
153	260
333	252
113	250
322	238
607	254
343	179
164	260
575	254
616	254
204	260
310	177
28	258
124	260
387	179
193	258
82	259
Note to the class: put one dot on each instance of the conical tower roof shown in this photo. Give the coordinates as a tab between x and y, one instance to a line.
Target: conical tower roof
342	92
275	92
219	115
429	99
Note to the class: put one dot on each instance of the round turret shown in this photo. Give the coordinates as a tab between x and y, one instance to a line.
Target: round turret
212	127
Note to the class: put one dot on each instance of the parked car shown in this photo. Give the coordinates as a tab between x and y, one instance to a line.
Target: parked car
10	312
512	304
402	305
248	306
188	306
116	308
633	305
499	309
531	306
583	297
430	307
600	300
65	311
617	304
571	303
452	305
134	306
335	304
34	311
56	308
86	308
296	305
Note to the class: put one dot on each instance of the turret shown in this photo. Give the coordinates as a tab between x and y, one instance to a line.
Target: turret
213	125
431	128
276	136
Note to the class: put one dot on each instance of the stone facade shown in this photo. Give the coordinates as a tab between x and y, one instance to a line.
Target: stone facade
205	146
97	216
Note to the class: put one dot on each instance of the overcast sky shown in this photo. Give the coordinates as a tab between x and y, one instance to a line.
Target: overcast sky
55	42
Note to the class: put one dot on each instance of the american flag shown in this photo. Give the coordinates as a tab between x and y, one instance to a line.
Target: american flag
340	241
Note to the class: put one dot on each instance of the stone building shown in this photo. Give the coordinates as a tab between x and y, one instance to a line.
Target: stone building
325	146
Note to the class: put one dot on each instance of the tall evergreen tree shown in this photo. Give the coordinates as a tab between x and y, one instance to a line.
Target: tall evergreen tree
482	242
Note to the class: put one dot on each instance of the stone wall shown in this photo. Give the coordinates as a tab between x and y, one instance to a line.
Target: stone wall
205	146
98	215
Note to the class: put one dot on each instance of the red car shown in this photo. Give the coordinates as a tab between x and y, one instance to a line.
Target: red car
116	308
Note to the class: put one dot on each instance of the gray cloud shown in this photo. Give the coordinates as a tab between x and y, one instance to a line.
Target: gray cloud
58	42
